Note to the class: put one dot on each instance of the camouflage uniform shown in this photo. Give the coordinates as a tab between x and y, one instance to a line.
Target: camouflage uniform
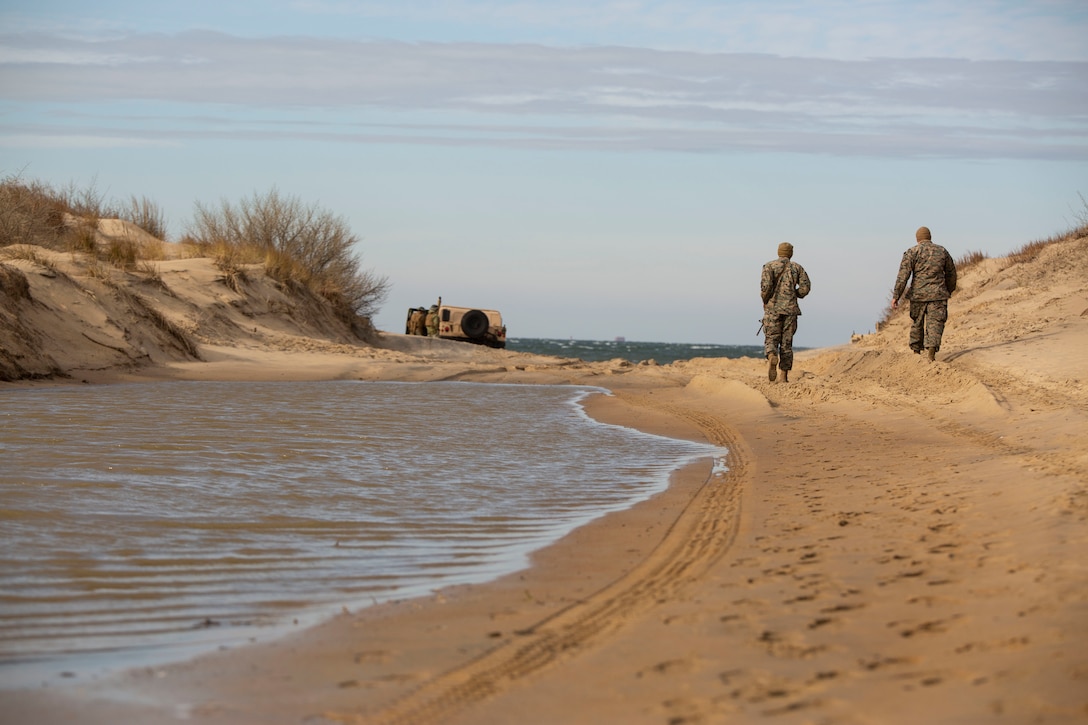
415	322
781	284
932	275
432	321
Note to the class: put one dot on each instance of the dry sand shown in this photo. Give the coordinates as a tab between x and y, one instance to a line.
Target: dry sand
896	541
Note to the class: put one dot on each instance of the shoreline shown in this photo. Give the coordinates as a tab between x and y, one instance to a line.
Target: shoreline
844	587
899	541
46	674
112	695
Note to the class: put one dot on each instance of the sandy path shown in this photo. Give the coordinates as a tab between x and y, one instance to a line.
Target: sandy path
887	570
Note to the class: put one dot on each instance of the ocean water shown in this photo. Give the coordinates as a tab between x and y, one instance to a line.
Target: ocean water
662	353
143	523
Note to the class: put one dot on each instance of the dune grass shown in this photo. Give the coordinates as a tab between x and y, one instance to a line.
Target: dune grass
301	246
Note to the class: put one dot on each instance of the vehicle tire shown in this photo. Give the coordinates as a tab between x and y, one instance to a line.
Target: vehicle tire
474	324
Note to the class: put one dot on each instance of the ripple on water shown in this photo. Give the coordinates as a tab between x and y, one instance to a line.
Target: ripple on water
142	521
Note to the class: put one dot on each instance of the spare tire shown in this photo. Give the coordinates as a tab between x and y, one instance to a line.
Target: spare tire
474	324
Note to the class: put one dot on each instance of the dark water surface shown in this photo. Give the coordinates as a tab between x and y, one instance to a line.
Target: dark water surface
662	353
144	522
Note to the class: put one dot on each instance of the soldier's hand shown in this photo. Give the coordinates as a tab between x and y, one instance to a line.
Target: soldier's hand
895	304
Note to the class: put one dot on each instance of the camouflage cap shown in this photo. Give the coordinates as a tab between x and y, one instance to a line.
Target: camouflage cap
785	249
923	233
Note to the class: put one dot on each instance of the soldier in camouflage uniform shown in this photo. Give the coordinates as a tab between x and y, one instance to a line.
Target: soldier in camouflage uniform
415	322
932	273
781	284
432	321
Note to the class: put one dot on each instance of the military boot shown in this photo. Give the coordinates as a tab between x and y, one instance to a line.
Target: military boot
931	353
785	376
772	369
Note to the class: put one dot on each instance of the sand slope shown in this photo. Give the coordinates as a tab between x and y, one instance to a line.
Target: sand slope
896	541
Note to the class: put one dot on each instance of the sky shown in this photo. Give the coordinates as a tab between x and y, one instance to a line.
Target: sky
590	169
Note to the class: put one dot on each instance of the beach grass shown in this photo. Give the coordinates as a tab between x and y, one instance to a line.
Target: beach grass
302	246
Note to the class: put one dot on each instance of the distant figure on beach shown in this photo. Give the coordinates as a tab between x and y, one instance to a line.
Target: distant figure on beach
781	284
432	321
932	275
415	322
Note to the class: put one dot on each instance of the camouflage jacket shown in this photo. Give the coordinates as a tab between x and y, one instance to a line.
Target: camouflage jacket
931	272
782	283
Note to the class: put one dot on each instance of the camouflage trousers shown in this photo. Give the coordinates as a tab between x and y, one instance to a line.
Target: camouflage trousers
928	320
778	332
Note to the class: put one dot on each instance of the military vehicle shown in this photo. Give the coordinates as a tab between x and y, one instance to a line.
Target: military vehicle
464	324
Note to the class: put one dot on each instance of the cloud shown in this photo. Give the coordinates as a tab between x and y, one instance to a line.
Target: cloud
840	29
533	96
830	29
74	141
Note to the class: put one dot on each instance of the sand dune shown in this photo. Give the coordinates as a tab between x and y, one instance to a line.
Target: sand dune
896	541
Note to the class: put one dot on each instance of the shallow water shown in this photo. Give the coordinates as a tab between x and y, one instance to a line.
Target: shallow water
140	523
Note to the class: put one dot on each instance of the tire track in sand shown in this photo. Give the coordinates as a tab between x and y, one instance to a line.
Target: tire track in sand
703	532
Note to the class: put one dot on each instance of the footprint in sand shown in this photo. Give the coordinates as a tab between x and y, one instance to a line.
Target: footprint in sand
781	695
682	666
934	626
880	663
789	645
